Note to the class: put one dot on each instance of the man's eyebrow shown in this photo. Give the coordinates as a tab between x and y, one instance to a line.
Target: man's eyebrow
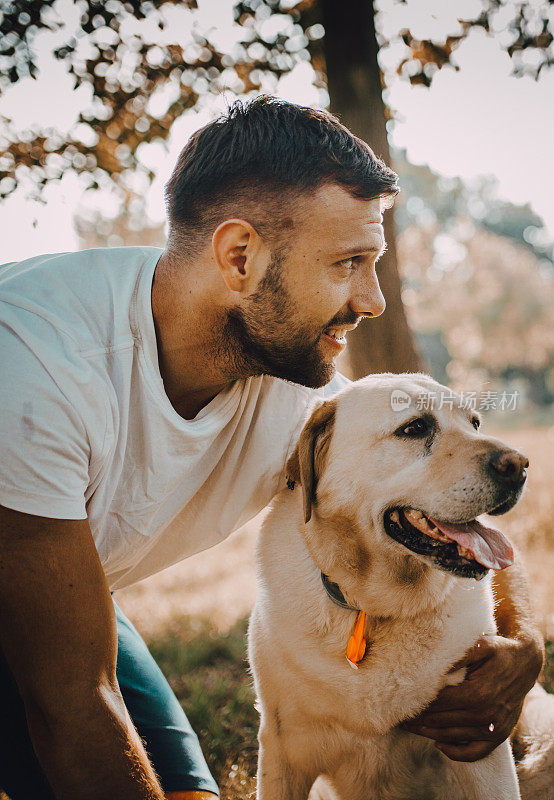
357	249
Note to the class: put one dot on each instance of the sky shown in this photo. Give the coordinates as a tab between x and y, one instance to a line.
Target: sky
477	121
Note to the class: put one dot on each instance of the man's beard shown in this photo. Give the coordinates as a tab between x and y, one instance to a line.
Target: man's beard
265	338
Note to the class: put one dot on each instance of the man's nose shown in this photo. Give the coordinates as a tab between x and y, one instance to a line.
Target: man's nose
367	298
509	466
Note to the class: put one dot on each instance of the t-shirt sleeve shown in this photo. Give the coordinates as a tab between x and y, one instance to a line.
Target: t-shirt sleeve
44	448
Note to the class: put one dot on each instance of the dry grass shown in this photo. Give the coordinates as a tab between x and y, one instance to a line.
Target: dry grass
218	585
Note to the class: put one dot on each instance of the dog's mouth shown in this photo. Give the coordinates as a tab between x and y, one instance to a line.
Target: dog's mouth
468	549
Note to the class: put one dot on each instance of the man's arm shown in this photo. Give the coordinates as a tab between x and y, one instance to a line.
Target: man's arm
58	633
500	670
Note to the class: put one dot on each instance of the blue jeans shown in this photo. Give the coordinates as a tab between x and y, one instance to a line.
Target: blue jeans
170	742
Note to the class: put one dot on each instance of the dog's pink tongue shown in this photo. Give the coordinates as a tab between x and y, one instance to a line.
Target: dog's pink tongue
488	546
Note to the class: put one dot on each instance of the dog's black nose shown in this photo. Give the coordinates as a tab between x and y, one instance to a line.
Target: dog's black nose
509	466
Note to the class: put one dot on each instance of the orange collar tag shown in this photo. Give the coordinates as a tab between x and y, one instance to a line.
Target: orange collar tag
355	649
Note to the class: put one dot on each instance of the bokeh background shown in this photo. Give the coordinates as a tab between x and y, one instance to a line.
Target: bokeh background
98	98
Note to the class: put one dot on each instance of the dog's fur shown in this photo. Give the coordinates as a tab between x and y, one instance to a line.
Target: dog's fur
318	716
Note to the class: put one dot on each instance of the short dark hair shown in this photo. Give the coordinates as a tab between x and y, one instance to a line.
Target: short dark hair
248	158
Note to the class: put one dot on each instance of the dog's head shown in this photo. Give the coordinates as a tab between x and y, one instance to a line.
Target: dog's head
392	490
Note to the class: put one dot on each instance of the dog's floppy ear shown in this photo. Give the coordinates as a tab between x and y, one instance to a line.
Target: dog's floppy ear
306	463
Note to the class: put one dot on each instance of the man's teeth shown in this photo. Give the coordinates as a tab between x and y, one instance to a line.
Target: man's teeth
337	333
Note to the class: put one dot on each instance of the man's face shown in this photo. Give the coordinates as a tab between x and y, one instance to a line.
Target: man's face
317	286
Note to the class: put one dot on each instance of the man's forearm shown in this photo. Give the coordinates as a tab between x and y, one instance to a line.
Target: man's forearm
94	753
514	614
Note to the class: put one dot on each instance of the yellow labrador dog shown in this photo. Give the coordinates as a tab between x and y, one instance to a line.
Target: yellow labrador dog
380	517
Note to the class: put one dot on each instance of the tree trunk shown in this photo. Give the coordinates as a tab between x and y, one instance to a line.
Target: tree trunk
385	344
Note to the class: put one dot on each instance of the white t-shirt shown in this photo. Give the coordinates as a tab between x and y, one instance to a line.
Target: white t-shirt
86	429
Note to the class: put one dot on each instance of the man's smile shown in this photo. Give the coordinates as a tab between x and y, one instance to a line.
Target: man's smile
334	341
335	335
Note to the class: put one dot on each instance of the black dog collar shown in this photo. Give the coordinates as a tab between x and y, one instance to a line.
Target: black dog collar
335	593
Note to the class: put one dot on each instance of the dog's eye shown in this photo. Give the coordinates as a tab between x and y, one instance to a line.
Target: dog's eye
417	427
476	422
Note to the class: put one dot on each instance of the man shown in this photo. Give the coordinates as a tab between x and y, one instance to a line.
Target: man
150	402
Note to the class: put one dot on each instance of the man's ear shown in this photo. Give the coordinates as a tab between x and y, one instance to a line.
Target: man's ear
240	255
306	464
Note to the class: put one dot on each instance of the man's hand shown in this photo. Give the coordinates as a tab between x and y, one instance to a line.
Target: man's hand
469	720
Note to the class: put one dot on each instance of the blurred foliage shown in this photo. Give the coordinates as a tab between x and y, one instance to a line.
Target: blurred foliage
489	298
128	227
528	27
428	196
478	283
111	49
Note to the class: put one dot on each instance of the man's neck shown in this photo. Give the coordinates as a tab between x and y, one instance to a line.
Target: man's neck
188	328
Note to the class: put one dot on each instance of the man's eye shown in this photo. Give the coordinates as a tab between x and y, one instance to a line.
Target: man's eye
347	263
417	427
